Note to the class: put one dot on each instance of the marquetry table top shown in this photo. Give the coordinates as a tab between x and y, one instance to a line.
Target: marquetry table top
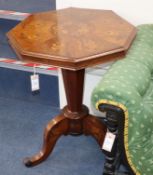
72	38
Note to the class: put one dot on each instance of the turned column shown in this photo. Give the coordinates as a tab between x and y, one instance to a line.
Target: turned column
74	110
73	83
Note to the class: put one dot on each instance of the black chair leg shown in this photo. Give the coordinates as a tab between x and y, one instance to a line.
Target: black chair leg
110	157
113	159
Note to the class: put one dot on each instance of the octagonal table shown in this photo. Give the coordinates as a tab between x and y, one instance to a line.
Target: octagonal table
71	39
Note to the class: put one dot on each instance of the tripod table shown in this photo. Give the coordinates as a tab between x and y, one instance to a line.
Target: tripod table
72	39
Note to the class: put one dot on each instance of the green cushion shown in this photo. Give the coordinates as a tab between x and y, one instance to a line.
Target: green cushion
129	83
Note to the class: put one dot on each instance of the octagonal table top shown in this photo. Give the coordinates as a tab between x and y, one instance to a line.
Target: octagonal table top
72	38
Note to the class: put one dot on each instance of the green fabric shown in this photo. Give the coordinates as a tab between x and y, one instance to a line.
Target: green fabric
130	82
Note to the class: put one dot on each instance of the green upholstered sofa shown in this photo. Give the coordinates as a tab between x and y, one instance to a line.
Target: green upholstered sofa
126	94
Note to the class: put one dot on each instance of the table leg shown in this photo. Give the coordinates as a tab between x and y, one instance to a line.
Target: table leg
54	129
74	119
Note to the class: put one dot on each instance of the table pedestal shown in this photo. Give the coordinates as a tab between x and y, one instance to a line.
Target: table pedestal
74	118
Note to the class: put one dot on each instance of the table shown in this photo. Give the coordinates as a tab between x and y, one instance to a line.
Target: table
71	39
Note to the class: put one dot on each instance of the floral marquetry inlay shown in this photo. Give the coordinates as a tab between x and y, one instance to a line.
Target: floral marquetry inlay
71	35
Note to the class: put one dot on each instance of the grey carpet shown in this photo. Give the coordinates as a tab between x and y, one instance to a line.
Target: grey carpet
15	84
5	49
27	5
21	128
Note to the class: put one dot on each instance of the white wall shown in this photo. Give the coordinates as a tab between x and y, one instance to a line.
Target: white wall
135	11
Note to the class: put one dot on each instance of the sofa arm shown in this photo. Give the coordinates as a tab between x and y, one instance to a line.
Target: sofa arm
128	86
116	95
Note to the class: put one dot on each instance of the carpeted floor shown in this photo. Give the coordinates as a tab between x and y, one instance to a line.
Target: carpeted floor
27	5
5	49
21	128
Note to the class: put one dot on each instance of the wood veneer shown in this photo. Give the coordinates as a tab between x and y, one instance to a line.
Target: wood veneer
72	39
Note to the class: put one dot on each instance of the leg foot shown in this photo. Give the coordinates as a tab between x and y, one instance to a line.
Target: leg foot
27	162
55	128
